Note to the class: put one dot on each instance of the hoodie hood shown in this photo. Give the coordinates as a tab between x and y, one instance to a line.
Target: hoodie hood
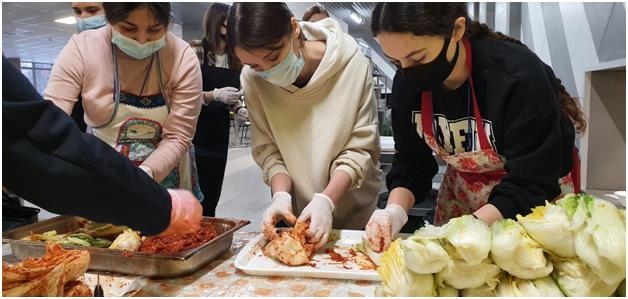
339	50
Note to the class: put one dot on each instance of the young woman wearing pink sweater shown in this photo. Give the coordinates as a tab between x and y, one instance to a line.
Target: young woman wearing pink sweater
141	89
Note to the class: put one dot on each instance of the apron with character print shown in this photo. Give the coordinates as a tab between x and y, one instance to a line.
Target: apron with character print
470	176
135	130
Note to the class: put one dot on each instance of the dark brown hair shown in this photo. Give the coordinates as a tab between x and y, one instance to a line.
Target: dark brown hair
215	15
255	25
197	46
312	10
119	11
435	18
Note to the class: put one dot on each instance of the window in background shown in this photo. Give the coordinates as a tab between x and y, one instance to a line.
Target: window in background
27	70
37	73
28	73
41	79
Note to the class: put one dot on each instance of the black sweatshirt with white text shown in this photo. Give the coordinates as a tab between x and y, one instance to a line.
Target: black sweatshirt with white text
518	100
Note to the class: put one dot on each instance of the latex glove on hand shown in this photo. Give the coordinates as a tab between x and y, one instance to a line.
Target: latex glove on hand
186	214
319	211
383	225
228	95
280	208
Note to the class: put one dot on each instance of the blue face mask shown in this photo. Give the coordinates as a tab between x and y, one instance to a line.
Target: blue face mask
134	49
286	72
91	22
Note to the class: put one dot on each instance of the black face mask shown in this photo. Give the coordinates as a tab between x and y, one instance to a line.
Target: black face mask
431	75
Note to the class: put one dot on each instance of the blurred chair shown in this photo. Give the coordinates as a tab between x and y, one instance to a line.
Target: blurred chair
232	119
244	126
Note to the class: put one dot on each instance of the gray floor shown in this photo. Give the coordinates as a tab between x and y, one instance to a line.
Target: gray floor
244	193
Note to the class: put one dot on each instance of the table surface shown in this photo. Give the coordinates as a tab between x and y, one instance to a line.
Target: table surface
221	278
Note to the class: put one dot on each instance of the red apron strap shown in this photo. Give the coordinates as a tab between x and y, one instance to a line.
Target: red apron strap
427	113
575	170
484	144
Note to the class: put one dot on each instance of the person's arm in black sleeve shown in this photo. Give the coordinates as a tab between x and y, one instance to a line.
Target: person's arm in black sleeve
413	165
48	161
532	146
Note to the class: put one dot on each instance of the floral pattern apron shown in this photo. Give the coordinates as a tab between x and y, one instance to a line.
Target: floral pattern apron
470	176
135	130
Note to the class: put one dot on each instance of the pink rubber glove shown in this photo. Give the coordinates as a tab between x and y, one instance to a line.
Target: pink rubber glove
186	214
319	211
280	208
383	225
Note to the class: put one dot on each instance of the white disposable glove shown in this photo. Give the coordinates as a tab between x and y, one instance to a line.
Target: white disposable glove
280	208
319	211
383	225
228	95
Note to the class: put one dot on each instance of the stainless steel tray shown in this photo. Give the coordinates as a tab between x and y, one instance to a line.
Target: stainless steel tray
149	265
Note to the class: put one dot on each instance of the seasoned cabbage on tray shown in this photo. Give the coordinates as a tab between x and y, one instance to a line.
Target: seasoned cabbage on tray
106	235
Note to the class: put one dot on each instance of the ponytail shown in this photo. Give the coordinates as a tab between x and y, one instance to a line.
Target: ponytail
568	103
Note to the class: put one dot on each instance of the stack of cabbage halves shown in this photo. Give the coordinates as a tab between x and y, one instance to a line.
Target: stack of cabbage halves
576	247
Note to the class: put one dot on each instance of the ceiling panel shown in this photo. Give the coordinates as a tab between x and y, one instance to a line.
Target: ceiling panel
29	30
362	31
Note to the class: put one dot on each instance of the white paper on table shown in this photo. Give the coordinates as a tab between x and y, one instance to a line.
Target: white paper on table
115	285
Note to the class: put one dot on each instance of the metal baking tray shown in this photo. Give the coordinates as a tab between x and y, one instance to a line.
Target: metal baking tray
136	263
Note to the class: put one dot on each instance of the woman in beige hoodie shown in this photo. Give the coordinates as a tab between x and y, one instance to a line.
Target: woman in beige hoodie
310	98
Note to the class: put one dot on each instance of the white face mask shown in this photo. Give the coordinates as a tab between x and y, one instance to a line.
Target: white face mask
134	49
286	72
93	22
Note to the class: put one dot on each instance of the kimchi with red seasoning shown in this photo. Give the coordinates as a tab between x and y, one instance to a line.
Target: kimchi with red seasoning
177	243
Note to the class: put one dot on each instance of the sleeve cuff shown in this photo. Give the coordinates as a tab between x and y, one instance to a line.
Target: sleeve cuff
355	183
506	206
147	170
419	194
275	170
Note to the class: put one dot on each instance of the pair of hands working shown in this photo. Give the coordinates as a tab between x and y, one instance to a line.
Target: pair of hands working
382	226
318	211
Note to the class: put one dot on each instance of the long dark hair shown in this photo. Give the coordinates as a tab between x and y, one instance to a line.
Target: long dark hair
438	19
255	25
119	11
215	15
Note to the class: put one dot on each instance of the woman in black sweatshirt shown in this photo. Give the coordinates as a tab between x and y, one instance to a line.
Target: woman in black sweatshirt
485	104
